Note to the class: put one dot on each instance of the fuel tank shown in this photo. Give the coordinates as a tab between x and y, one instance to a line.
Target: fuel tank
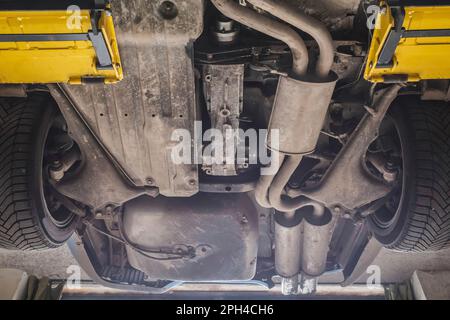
207	237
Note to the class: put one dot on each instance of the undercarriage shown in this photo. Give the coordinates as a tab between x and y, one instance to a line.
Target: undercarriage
246	141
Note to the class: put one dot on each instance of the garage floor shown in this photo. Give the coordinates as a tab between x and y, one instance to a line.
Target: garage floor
395	267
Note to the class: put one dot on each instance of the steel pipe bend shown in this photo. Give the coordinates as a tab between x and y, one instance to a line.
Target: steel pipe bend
313	27
270	27
269	189
298	114
281	179
264	183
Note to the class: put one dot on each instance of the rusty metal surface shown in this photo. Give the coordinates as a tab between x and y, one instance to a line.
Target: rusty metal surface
135	118
98	175
220	230
224	89
348	174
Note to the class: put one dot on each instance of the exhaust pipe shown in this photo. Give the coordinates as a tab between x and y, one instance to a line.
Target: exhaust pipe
318	230
288	235
301	102
298	114
300	107
313	27
270	27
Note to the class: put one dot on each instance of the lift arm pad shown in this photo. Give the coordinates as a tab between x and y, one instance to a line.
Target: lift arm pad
54	45
411	42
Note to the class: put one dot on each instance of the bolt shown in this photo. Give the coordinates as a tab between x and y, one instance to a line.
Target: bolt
294	185
150	181
109	209
225	112
390	173
98	214
192	182
56	163
168	10
337	209
390	165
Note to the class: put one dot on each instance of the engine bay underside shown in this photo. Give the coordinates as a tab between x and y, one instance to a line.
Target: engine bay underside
206	69
242	144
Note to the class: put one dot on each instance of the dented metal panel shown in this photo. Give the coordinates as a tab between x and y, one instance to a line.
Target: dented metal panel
134	119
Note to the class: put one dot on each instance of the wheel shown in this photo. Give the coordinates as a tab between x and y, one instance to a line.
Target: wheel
26	222
417	216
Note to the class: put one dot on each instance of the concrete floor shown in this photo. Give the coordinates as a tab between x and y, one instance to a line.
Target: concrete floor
398	267
395	267
49	263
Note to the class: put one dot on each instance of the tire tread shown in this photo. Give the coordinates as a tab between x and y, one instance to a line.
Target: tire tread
429	226
19	229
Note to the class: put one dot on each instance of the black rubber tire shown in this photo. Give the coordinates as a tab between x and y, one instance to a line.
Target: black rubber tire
423	218
24	222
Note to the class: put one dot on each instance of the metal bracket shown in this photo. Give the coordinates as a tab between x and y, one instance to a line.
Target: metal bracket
393	39
360	187
385	60
98	41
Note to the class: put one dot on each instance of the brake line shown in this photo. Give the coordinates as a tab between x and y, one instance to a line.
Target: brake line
131	246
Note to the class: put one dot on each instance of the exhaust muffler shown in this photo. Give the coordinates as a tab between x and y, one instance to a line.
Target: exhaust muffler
299	112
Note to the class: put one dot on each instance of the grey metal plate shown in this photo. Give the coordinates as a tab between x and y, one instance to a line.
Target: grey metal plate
135	118
221	229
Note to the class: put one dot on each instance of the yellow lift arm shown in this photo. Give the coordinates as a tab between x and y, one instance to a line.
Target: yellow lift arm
56	44
411	42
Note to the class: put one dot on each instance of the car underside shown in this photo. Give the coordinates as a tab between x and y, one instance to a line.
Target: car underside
246	141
